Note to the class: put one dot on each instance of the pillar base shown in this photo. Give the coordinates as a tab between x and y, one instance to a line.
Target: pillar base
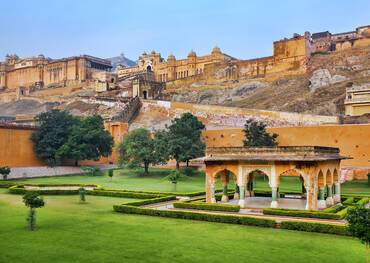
241	203
224	198
329	201
213	200
274	204
236	196
336	198
321	204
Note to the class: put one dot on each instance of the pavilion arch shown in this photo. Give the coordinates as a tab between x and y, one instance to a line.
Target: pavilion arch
335	176
225	175
329	177
292	172
321	179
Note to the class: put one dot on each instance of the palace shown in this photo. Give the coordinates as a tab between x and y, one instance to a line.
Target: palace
24	75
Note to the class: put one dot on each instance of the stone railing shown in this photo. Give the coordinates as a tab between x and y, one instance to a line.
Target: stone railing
279	150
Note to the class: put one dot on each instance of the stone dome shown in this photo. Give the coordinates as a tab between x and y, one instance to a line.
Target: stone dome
216	49
171	56
192	54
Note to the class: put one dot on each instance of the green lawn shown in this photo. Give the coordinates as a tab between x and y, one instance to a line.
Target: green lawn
73	232
132	180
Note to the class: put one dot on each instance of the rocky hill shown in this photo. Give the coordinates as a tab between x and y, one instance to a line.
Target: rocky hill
121	59
320	91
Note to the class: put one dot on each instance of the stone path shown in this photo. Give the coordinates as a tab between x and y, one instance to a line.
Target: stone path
44	171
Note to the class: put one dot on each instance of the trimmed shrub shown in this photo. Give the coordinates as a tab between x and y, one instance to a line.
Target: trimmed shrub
315	227
342	213
363	201
349	201
207	206
190	194
123	193
6	184
334	209
150	201
299	213
231	219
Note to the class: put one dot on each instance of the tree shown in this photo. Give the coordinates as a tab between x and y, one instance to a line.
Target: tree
358	219
5	171
138	148
256	135
110	174
184	140
32	200
82	193
174	178
54	131
88	140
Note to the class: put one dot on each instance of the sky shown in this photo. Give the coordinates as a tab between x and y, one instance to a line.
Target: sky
241	28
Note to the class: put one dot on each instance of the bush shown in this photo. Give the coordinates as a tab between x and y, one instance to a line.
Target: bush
6	184
190	171
207	206
342	213
349	201
334	209
299	213
20	189
242	220
363	201
123	193
315	227
150	201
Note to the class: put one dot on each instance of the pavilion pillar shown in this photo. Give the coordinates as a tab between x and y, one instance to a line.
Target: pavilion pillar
242	196
329	198
274	193
308	196
225	181
336	192
322	203
213	193
236	194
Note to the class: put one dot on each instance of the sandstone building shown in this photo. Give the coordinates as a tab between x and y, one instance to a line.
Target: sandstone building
20	76
357	100
325	41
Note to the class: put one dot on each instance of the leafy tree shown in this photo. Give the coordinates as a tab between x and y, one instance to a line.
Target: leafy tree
184	140
92	170
358	219
88	140
138	148
174	178
5	171
256	135
55	128
32	200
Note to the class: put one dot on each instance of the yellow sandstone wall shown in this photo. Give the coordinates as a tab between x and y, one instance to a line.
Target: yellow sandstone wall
16	148
352	140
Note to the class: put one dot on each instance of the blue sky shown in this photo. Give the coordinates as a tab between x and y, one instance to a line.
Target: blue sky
244	29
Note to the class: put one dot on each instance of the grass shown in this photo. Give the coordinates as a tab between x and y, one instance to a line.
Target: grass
156	181
72	232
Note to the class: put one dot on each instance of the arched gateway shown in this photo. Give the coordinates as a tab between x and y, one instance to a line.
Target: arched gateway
318	166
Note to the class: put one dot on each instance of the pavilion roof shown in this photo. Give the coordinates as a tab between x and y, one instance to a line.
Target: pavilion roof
280	153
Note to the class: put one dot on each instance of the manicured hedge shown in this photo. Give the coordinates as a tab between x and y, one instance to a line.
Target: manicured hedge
349	201
300	213
163	193
363	201
207	206
6	184
342	213
334	209
150	201
242	220
17	189
315	227
127	194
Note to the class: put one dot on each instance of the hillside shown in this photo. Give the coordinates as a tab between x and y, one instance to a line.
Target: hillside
320	91
121	59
